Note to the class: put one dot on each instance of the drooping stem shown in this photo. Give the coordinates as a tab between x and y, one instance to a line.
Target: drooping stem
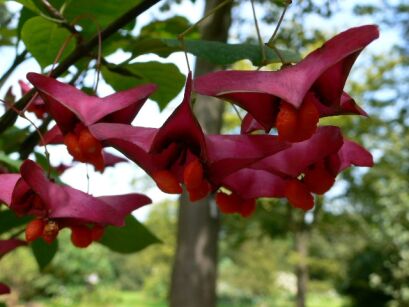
88	178
46	152
280	56
182	42
272	38
209	13
32	140
181	36
99	52
270	42
22	115
260	40
237	112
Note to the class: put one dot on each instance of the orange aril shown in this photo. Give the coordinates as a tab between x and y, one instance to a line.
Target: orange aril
228	203
50	232
318	179
89	145
97	232
167	182
298	195
81	236
34	230
297	125
247	207
199	192
193	174
71	141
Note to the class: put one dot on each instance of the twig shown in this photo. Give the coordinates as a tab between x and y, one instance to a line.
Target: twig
18	233
60	18
272	38
182	42
32	140
22	115
17	61
270	42
260	40
237	111
211	12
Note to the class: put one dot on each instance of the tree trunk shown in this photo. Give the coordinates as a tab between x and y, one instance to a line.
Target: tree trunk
301	268
193	282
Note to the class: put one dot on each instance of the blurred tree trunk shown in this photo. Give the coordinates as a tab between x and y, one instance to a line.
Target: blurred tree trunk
193	282
301	268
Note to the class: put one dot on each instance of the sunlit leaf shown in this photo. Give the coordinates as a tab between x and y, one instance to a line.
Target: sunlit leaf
12	165
131	238
167	76
29	4
44	39
44	252
9	220
12	138
101	13
214	52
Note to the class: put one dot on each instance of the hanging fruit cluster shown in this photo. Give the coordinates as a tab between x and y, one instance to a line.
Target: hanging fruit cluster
281	151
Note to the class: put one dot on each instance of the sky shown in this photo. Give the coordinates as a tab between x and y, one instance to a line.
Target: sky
127	177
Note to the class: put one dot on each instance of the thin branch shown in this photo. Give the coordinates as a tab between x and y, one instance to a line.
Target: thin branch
260	40
209	13
270	42
272	38
237	111
17	61
182	42
18	233
57	15
10	116
32	140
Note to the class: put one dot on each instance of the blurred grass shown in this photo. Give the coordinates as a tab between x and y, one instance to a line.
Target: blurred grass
108	298
115	298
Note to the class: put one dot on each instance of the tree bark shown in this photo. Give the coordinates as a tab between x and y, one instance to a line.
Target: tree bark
301	268
193	282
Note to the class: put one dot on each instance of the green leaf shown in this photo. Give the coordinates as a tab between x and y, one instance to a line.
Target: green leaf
214	52
9	220
168	28
29	4
25	14
151	45
167	76
44	252
7	36
102	12
131	238
44	39
12	165
12	138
